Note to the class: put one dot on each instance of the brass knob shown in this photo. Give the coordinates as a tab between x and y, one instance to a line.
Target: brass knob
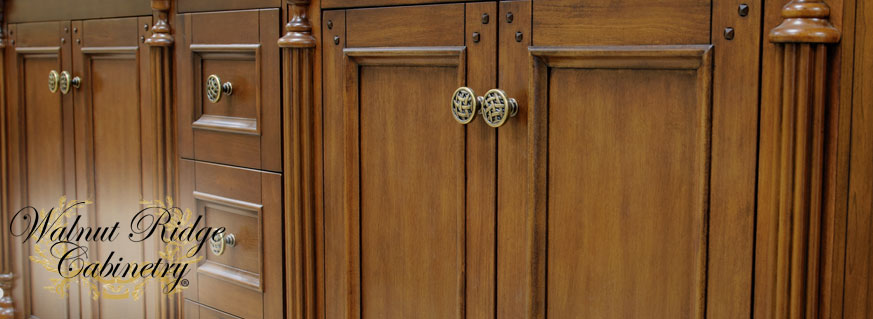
230	240
53	81
218	245
67	80
497	107
465	105
214	88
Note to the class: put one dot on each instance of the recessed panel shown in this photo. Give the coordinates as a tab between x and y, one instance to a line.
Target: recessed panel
627	193
411	153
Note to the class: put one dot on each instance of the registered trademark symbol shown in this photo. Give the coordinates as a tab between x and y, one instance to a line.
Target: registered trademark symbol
184	282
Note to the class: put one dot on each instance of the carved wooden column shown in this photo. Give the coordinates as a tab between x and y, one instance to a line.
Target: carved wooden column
301	161
792	195
161	76
7	308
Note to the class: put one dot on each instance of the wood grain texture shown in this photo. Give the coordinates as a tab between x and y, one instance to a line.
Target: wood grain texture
331	4
429	25
735	95
405	247
49	10
794	261
618	220
222	5
602	22
859	252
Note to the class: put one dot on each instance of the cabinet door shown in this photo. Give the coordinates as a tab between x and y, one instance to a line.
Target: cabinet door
41	151
629	189
115	166
409	192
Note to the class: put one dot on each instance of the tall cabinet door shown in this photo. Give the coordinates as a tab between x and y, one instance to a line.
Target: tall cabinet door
409	192
624	201
115	151
41	168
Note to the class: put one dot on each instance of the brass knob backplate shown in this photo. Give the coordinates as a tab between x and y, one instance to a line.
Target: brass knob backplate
215	89
465	105
53	81
219	243
66	81
497	108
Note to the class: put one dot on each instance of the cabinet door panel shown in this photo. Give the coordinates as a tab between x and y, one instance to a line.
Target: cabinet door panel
114	167
41	152
241	128
407	227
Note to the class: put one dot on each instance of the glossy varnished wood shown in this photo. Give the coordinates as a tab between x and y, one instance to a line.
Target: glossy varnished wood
47	10
220	5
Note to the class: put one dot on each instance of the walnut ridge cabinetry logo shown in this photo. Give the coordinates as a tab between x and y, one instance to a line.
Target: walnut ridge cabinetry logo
61	245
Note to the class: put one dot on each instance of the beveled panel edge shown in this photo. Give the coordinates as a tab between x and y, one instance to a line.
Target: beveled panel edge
109	50
37	50
244	47
630	56
228	124
230	274
244	205
402	56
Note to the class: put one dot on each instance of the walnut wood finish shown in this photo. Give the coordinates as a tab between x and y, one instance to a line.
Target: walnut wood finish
794	166
52	10
7	307
115	144
41	163
301	122
859	251
220	5
243	129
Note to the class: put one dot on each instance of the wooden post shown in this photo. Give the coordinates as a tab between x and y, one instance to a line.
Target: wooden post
166	170
300	123
7	307
791	189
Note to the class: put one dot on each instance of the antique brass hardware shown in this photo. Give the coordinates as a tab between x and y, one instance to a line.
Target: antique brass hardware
214	88
66	81
218	245
53	81
497	107
465	105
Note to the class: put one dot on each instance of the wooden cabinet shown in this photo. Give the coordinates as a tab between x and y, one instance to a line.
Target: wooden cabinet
601	198
241	128
88	140
243	279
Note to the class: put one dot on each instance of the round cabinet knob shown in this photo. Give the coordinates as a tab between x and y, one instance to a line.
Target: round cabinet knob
67	80
497	107
53	81
214	88
218	245
465	105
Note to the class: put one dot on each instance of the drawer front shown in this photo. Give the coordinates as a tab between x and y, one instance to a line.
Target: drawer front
229	98
243	276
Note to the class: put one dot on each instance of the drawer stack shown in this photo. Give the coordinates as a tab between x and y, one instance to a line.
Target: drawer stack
229	104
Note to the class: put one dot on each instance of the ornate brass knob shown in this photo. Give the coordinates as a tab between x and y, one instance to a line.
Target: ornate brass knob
53	81
66	81
214	88
465	105
497	107
218	245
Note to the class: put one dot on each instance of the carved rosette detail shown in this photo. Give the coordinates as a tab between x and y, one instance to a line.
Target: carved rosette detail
801	159
298	30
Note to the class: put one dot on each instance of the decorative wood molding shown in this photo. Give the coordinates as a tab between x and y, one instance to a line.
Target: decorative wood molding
166	167
161	32
792	193
7	308
298	29
300	126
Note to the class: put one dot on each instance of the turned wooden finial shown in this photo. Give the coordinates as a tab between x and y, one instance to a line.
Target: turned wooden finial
298	29
161	33
7	310
805	21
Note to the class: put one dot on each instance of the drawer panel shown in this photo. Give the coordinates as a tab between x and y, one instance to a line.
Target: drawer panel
235	120
216	5
244	278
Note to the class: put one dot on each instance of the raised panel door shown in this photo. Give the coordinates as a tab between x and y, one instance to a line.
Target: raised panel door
41	152
409	192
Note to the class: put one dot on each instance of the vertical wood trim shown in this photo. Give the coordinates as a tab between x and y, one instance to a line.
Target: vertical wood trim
7	307
300	125
793	169
166	179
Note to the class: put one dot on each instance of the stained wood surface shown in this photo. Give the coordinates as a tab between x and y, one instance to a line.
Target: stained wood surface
48	10
220	5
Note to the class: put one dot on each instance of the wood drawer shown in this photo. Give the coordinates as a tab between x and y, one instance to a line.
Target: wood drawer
216	5
242	128
244	280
